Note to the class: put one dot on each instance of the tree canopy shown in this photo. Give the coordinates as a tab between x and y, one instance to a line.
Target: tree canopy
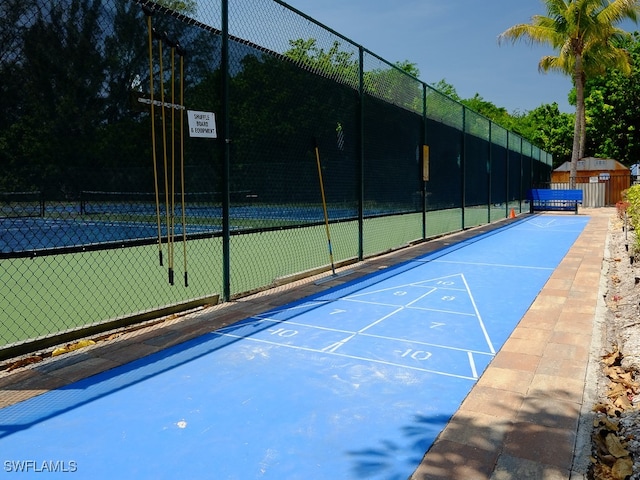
612	109
585	37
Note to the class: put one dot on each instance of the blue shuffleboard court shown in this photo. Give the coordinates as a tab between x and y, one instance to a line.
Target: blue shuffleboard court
352	383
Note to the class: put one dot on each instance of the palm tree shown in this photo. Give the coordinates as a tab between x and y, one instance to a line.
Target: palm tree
586	39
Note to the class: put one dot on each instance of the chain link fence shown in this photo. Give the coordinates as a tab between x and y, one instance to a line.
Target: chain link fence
159	156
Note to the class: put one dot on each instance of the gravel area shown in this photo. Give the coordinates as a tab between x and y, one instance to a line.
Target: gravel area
616	430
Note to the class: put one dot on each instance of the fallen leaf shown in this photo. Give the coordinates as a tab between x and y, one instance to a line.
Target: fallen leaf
623	402
614	446
606	423
616	389
612	357
622	468
23	362
70	347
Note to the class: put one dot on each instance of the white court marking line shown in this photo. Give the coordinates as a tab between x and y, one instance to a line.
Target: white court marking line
314	303
424	309
473	365
369	335
366	302
475	307
412	284
372	324
353	298
427	344
288	322
467	289
351	334
333	347
336	345
494	265
386	337
311	305
541	224
552	223
354	357
409	305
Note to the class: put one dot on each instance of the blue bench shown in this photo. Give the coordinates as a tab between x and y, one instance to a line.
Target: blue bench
549	199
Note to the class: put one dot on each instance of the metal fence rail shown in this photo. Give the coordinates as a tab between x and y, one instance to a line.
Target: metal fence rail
156	159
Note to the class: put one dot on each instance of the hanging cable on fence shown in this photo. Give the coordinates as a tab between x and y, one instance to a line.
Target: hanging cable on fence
149	13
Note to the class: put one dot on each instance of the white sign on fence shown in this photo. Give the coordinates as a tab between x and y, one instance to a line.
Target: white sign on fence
202	124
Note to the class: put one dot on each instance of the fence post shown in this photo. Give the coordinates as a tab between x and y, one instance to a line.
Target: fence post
226	235
489	173
463	166
522	186
361	154
507	179
507	170
424	142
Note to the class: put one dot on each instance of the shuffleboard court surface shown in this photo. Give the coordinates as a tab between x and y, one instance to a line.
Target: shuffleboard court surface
353	383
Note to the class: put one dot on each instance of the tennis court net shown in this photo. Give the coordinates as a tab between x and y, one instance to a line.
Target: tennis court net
21	204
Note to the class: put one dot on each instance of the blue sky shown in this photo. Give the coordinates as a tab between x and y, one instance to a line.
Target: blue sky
455	40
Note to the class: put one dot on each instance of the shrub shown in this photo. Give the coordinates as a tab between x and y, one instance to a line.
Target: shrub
632	197
621	208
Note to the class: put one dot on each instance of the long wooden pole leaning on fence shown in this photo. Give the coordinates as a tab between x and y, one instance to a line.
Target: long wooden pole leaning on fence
181	52
172	217
324	205
162	38
149	13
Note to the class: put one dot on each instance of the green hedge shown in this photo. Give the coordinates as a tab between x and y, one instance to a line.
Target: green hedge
632	197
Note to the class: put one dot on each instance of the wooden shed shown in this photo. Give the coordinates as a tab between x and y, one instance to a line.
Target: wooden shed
607	178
